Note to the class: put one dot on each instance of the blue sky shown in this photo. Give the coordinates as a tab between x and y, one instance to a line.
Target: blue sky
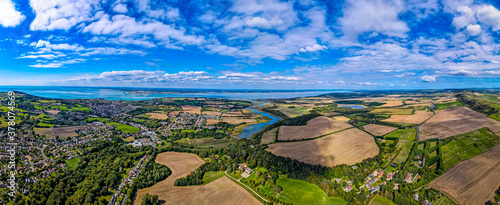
264	44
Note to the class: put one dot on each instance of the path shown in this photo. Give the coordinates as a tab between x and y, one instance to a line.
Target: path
238	180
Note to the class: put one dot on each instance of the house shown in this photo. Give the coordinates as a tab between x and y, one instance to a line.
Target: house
249	171
409	177
415	196
348	188
389	176
426	202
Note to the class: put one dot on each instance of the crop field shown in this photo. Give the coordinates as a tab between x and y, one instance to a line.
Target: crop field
392	111
238	120
124	128
294	110
191	109
212	121
406	139
316	127
269	136
54	112
100	119
219	191
205	142
447	105
62	132
378	130
473	181
468	145
455	121
347	147
392	103
212	113
417	118
155	115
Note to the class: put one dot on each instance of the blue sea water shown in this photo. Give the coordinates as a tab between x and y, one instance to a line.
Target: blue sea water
121	93
252	129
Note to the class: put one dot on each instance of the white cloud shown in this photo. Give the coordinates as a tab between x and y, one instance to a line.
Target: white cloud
120	8
9	16
61	14
473	30
314	48
63	46
428	78
373	15
489	15
465	18
285	78
50	65
264	23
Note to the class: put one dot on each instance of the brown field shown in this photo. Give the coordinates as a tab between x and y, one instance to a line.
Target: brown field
378	130
191	109
315	127
472	181
347	147
238	120
417	118
212	121
392	103
62	132
54	112
174	113
233	114
220	191
211	113
154	115
454	121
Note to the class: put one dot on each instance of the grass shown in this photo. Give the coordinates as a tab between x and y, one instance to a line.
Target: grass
189	131
124	128
468	145
41	124
129	139
393	111
73	163
444	106
240	103
406	139
301	192
100	119
212	176
378	200
81	109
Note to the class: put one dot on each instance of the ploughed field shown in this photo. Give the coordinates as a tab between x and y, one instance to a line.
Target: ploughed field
155	115
347	147
473	181
378	130
62	132
417	118
220	191
316	127
455	121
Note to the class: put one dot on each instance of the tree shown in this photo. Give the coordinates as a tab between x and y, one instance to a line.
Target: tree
150	199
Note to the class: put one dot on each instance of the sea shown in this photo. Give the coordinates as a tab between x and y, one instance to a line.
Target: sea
131	94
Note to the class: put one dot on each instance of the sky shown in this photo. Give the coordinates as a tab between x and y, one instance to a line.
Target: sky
260	44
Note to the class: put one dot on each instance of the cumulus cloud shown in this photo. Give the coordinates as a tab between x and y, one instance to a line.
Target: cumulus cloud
314	48
489	15
428	78
9	16
61	14
120	8
473	30
367	16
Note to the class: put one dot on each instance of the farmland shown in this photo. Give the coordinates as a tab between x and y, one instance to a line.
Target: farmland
472	181
316	127
269	136
466	146
191	109
417	118
406	139
156	115
294	110
219	191
124	128
455	121
393	111
378	130
62	132
347	147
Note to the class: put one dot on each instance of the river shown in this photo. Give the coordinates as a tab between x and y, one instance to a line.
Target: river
252	129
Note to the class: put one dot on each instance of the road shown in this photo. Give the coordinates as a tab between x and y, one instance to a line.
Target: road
246	186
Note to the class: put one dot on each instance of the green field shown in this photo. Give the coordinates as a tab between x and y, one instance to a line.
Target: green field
406	140
189	131
100	119
444	106
41	124
300	192
212	176
468	145
81	109
240	103
378	200
393	111
73	163
124	128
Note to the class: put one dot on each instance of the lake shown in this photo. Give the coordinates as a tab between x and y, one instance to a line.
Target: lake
122	94
354	106
252	129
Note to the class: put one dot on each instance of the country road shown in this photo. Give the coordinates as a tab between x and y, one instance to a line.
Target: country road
245	186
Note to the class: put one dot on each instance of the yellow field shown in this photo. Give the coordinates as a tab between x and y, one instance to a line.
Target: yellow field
417	118
315	127
154	115
378	130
